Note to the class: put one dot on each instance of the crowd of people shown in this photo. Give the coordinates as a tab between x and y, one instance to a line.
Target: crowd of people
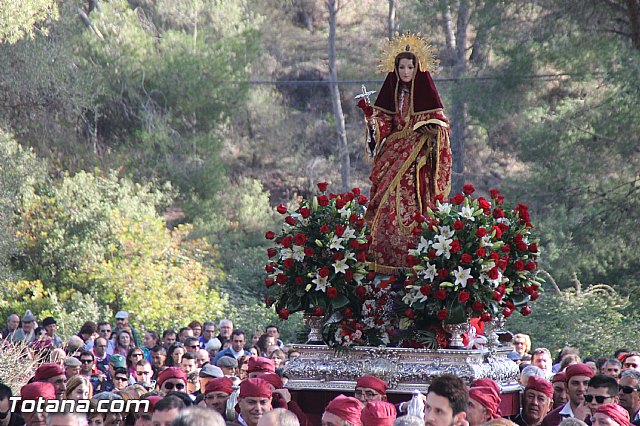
214	374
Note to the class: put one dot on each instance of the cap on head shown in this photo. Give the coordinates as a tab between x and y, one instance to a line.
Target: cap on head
261	365
378	413
211	371
615	412
579	370
35	390
254	388
221	384
541	385
28	316
347	408
48	321
227	362
171	373
118	361
72	361
372	382
122	315
47	371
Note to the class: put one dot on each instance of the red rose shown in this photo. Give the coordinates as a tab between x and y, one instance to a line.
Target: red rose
485	317
360	223
530	266
347	197
288	263
494	256
308	251
300	239
507	312
348	276
493	273
356	191
270	268
506	248
497	296
457	225
500	199
337	256
299	280
354	244
371	275
503	227
270	235
305	212
426	290
468	189
525	311
412	261
361	292
339	230
471	281
442	314
457	199
362	200
484	205
441	294
502	264
494	193
282	209
517	238
502	288
481	252
534	296
409	313
284	313
463	296
361	256
533	248
521	245
477	306
498	231
323	200
269	282
519	265
322	186
324	272
324	229
509	304
282	279
348	313
332	292
438	198
269	300
431	254
317	311
466	259
498	213
271	252
443	274
455	246
417	230
481	232
287	241
340	203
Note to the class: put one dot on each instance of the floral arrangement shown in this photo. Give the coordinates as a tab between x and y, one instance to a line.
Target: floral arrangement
475	258
319	256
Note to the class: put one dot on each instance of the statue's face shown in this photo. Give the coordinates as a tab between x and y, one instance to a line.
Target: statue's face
406	70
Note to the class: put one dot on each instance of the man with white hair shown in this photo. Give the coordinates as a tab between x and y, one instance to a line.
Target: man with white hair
225	330
279	417
13	321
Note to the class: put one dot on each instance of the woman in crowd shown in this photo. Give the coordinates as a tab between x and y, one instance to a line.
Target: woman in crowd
174	355
134	356
196	327
124	342
278	357
151	340
78	387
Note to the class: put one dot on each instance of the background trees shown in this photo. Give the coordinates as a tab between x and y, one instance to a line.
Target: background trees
104	108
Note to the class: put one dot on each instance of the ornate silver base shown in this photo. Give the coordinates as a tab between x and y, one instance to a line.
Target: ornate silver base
322	368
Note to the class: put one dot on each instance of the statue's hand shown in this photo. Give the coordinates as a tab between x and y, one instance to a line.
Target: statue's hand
364	106
428	128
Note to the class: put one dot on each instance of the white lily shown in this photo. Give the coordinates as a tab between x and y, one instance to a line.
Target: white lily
286	253
447	232
321	283
486	241
298	253
467	213
462	275
358	278
423	245
442	246
444	208
429	272
336	243
349	233
341	266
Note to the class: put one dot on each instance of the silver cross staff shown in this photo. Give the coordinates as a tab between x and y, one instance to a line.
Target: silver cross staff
365	94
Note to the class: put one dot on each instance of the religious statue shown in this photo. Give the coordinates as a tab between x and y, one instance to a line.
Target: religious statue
407	135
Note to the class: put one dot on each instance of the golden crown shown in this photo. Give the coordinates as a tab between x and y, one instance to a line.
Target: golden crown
414	43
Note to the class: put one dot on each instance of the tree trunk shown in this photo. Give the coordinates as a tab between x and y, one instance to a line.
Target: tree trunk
391	22
343	146
633	8
458	109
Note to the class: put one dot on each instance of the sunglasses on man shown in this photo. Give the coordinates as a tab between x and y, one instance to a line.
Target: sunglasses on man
170	386
599	398
627	389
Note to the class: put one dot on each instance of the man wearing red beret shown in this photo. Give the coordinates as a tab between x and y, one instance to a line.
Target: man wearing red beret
32	392
560	396
578	376
53	374
484	402
259	365
378	413
611	415
537	401
254	400
370	388
172	379
342	411
217	394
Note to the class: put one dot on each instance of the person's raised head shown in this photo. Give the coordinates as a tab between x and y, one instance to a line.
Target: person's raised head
254	400
537	400
370	388
172	378
342	411
578	376
447	400
602	389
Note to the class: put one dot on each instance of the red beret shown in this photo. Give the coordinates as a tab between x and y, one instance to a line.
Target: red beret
615	412
487	383
35	390
347	408
47	371
153	400
539	384
258	364
171	373
559	377
488	398
255	388
372	382
378	413
579	370
273	379
220	384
